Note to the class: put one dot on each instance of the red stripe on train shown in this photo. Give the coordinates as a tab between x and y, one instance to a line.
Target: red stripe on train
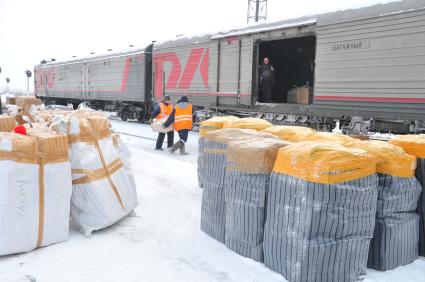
369	99
125	74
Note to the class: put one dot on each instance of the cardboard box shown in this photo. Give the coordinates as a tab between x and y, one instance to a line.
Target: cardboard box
11	100
25	102
304	95
7	123
292	96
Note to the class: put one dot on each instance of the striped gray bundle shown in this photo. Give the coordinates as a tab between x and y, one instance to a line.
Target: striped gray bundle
420	175
213	218
396	236
205	127
249	164
212	209
201	162
319	232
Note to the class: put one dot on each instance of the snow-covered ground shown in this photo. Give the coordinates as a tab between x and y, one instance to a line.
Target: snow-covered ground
163	242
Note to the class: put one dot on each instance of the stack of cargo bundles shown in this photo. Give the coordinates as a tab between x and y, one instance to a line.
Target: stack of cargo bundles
213	204
320	212
103	192
289	133
396	237
36	190
7	123
26	102
415	145
249	123
249	164
206	126
327	137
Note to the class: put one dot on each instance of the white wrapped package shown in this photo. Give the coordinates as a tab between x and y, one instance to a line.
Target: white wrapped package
103	191
125	156
35	192
158	125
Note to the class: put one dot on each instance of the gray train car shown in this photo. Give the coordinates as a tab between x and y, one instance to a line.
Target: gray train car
364	69
181	67
370	65
117	81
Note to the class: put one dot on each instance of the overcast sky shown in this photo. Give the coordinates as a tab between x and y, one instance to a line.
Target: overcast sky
32	30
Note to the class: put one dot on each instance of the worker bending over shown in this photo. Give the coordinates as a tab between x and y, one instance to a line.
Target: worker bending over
160	111
183	117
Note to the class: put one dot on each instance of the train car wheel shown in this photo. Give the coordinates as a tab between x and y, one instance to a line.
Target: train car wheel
124	117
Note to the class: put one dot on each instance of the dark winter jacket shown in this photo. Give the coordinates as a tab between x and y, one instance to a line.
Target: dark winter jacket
266	71
156	111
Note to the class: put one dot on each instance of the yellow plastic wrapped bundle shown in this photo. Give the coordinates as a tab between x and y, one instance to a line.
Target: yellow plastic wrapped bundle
213	173
249	123
397	224
226	135
390	159
325	163
412	144
247	179
415	145
289	133
214	124
206	126
320	190
324	137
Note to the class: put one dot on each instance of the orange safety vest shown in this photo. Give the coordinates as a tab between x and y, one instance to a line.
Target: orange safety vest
183	117
165	110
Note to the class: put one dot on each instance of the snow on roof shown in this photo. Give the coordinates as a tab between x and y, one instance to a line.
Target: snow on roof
182	40
309	20
94	57
394	7
327	18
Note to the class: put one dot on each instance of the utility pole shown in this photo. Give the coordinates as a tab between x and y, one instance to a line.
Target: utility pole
257	10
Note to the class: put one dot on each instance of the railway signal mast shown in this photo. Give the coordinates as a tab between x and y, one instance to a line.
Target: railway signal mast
257	10
28	73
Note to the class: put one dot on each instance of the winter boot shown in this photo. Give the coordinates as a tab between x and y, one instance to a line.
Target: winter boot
176	146
183	150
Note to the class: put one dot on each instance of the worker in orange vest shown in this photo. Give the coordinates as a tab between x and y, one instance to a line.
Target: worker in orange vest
183	117
160	111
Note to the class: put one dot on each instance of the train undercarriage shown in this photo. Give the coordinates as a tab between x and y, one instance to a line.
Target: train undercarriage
282	114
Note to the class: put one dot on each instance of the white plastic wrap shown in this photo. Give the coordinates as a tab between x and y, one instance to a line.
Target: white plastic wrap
125	156
21	229
104	201
158	126
19	204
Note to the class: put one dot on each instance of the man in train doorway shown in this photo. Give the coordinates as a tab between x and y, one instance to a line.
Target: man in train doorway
183	117
266	76
161	111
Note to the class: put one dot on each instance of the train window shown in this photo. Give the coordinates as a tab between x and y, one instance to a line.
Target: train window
293	63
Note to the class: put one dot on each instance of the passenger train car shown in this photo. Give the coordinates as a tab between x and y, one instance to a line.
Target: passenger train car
364	69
